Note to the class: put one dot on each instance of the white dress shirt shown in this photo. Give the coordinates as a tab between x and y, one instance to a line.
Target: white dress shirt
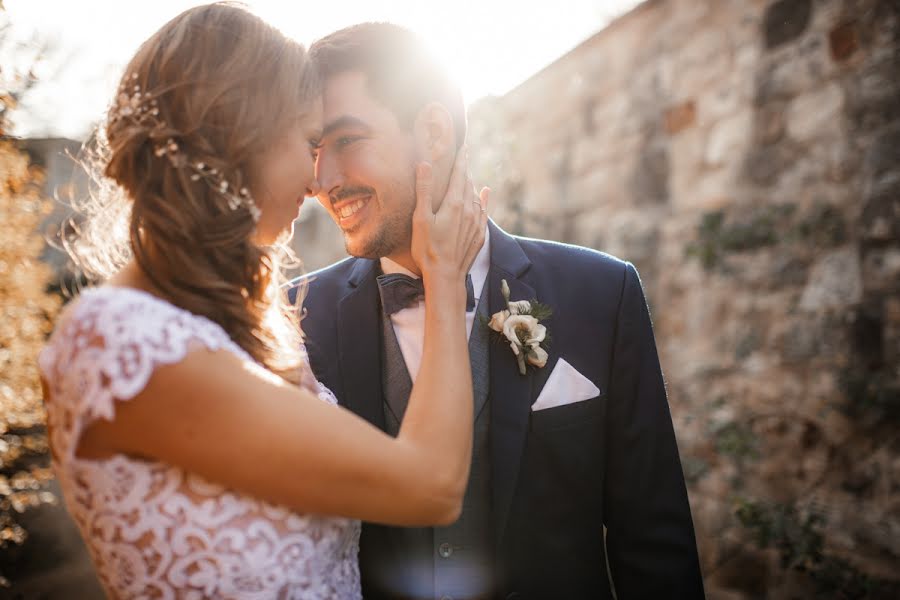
409	323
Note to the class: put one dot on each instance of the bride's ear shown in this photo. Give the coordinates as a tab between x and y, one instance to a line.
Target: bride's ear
434	133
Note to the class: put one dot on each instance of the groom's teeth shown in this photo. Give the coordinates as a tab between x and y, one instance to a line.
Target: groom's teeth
351	209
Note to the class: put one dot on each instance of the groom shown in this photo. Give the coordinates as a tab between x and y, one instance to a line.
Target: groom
576	486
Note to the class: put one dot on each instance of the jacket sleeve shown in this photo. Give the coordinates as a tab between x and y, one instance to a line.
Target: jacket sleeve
651	547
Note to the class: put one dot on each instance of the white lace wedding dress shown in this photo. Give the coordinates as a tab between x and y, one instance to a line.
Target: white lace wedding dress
154	530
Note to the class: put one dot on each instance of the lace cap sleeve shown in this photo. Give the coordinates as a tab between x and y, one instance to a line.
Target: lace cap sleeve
105	348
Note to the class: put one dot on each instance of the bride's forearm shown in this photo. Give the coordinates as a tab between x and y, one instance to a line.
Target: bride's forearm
438	419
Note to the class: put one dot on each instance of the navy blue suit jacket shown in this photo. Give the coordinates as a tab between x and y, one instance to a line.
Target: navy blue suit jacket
561	474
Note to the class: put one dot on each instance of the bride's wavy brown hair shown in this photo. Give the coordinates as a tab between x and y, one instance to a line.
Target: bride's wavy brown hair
226	85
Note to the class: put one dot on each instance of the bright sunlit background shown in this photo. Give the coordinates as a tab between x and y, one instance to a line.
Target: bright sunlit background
490	45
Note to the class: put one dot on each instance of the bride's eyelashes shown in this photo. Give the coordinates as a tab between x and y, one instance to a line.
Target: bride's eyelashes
346	140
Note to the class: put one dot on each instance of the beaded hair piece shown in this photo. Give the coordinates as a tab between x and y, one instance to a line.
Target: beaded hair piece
142	109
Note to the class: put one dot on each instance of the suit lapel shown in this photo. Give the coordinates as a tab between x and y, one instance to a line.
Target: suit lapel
511	393
359	344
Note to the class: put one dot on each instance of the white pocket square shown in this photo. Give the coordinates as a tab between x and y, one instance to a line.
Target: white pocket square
565	386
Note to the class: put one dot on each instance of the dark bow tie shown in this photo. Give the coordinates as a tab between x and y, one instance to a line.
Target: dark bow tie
399	291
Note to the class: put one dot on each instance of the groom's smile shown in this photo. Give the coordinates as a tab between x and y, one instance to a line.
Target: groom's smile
350	206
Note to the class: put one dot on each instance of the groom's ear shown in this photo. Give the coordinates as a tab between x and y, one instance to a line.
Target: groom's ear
434	133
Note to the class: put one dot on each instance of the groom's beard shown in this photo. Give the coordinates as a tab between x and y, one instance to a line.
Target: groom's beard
389	230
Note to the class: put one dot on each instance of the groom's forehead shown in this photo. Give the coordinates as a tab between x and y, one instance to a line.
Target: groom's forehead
347	101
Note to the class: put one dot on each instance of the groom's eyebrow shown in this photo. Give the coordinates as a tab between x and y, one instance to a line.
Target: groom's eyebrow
344	122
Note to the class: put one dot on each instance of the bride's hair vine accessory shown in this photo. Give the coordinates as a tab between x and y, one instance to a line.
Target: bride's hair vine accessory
142	109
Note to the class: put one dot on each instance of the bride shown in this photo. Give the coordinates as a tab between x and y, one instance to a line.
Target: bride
196	452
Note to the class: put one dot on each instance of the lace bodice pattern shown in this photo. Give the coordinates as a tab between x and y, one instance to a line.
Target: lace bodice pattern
154	530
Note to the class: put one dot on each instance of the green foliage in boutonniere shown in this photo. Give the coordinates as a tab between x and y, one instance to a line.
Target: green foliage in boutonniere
519	325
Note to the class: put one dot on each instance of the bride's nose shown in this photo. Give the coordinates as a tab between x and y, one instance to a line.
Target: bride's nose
313	189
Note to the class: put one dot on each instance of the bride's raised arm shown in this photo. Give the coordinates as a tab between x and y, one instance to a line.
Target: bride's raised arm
232	423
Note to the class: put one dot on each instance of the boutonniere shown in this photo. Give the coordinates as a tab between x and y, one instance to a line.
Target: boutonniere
520	325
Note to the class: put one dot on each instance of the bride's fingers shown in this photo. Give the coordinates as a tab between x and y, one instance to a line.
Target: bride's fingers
453	200
478	224
477	206
424	191
470	206
472	251
424	187
484	196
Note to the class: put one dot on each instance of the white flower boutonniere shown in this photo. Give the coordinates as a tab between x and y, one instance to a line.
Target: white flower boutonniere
519	325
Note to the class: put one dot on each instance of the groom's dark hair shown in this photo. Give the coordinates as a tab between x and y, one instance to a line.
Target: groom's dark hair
400	71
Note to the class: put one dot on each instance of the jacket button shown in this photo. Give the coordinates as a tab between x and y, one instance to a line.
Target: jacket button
445	550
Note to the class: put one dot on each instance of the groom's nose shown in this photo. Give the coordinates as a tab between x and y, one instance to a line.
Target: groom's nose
328	176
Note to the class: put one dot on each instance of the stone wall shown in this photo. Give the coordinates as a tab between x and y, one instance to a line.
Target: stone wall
745	155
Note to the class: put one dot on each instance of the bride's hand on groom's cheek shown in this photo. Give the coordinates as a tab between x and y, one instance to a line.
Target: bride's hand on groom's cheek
446	241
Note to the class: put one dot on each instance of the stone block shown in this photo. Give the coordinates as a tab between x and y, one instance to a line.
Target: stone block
603	187
843	41
591	229
747	57
799	341
873	95
724	96
882	162
591	155
710	190
816	114
881	268
843	161
789	73
680	117
634	235
704	47
649	181
809	170
892	334
686	154
881	213
692	81
787	271
835	281
728	139
608	112
765	163
821	225
785	21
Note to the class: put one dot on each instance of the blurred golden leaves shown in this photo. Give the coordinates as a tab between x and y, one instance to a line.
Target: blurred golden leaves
27	312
